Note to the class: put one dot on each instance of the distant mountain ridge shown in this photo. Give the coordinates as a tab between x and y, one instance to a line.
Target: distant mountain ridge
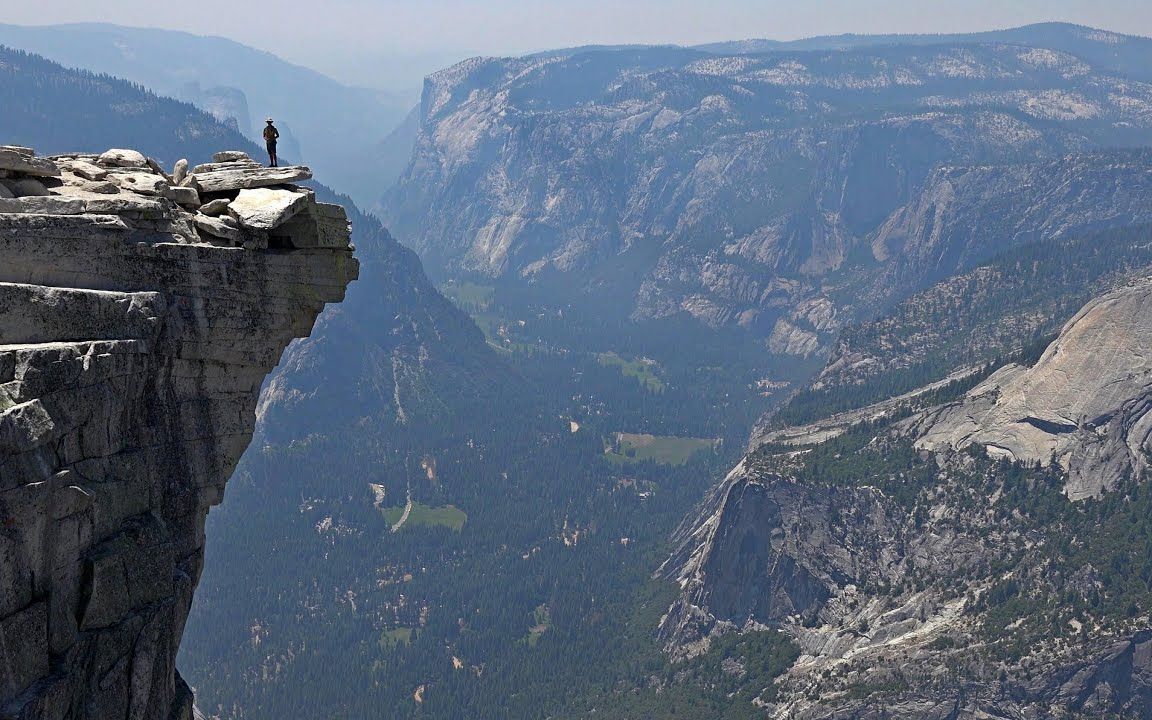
61	110
1121	52
328	125
952	522
734	189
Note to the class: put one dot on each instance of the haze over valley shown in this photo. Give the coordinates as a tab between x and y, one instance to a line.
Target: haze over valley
684	376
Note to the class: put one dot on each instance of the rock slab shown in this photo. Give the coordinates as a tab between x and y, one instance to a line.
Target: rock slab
1087	403
246	178
15	161
265	209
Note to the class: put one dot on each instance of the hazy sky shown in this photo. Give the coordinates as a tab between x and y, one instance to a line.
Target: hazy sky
353	39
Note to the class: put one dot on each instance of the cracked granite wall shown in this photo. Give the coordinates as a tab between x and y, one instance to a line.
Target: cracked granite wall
135	334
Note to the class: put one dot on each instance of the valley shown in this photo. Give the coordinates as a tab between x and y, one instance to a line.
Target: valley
803	380
750	257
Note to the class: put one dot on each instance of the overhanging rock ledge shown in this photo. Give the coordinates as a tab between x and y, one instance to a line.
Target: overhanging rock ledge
135	334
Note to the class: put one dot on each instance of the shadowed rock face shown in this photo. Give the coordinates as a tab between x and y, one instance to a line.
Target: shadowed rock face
771	553
132	352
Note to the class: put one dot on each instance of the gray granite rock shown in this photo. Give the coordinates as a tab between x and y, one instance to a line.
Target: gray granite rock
15	160
87	170
143	183
218	227
23	647
184	196
216	207
248	178
108	317
265	208
123	158
180	171
230	165
230	156
25	187
1085	404
127	204
19	150
156	168
320	225
46	205
106	187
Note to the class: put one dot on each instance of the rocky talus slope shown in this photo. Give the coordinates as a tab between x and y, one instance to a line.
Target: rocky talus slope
140	311
979	555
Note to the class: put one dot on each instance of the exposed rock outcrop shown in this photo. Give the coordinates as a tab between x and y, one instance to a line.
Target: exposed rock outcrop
963	215
22	160
1085	404
921	573
133	345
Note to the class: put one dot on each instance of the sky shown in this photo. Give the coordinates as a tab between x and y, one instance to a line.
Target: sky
373	42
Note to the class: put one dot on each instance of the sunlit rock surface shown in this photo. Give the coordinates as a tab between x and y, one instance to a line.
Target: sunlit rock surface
1085	404
133	344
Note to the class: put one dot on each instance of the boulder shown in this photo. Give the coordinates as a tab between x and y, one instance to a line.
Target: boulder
88	171
155	167
230	156
25	187
217	227
123	158
319	226
265	208
179	172
143	183
5	193
216	207
184	196
249	178
19	150
15	160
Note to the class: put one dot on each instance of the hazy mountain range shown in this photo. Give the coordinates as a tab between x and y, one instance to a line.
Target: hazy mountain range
913	270
328	125
734	189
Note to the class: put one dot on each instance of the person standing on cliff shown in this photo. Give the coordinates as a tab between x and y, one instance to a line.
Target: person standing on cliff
271	135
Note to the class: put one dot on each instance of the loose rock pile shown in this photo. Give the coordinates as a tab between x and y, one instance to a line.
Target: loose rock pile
232	201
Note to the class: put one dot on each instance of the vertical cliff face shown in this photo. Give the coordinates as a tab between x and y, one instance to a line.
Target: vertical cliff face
139	315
